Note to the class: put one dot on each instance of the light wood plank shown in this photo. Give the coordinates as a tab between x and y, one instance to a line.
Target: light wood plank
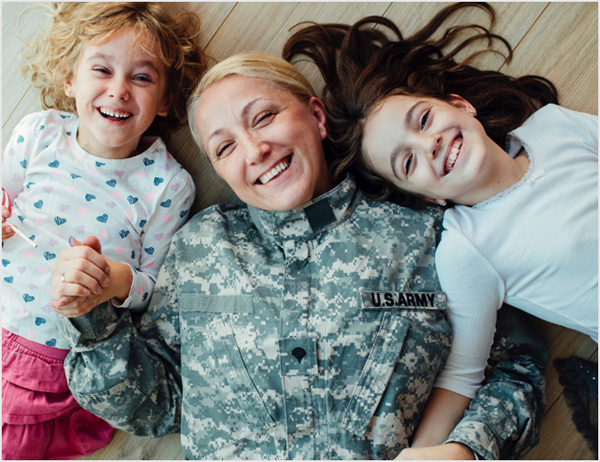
557	40
563	343
20	21
128	447
559	439
563	46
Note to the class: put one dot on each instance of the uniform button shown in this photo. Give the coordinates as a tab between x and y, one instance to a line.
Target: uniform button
299	353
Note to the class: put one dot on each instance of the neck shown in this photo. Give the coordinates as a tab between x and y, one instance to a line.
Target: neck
509	172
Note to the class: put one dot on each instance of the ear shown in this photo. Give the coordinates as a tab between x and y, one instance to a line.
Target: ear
318	109
164	109
68	85
460	103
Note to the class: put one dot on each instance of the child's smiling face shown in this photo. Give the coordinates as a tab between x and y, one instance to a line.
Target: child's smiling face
432	148
119	89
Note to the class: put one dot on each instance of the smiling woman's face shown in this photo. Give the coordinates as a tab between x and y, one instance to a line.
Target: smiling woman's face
432	148
264	142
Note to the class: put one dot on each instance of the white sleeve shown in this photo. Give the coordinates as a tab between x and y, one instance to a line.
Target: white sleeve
475	292
22	147
584	124
165	221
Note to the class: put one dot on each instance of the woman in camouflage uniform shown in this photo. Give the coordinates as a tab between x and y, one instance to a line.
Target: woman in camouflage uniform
306	323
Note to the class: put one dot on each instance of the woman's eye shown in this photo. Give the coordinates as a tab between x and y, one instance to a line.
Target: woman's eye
264	117
222	150
424	119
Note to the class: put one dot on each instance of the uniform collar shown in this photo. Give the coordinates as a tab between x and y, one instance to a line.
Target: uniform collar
314	217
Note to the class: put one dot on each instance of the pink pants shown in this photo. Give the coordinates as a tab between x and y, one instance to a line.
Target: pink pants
40	417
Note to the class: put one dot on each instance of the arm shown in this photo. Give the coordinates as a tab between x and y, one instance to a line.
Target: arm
127	372
471	308
171	211
442	412
129	287
504	419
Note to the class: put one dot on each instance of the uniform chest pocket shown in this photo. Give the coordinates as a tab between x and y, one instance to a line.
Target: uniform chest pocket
220	396
396	379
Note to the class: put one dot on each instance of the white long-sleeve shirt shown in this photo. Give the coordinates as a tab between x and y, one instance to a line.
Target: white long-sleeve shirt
533	246
58	190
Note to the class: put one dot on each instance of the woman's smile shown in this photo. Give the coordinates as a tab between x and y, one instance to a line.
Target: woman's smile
276	171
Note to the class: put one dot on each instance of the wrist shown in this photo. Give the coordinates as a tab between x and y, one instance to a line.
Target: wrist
121	279
459	451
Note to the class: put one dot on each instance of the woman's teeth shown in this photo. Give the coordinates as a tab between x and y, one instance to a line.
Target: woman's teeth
274	172
453	154
115	114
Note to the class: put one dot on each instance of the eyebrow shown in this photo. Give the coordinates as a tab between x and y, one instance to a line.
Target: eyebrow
411	111
146	63
244	114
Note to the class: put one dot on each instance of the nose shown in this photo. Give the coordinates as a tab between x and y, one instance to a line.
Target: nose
256	149
428	145
435	142
119	89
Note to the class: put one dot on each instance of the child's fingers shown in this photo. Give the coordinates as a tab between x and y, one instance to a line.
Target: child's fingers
7	231
5	213
83	252
74	309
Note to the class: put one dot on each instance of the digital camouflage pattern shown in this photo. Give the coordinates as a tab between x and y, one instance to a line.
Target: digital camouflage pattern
310	334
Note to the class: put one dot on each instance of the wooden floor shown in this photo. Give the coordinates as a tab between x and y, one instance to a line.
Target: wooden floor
557	40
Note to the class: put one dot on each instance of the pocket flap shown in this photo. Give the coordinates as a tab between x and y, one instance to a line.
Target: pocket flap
376	374
216	303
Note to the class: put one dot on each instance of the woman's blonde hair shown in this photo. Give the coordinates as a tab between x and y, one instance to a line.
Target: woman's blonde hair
269	68
53	55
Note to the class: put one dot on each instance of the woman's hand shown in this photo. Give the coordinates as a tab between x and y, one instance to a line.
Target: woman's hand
83	278
449	451
7	231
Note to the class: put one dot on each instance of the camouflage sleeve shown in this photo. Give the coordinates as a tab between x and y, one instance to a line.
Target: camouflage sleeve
127	370
503	421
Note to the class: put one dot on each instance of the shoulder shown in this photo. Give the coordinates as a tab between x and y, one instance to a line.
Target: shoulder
158	161
559	118
219	220
43	127
46	119
395	215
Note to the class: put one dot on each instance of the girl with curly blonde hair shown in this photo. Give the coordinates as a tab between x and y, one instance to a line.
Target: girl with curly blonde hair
91	184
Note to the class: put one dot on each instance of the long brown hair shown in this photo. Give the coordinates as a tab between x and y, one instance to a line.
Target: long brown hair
362	65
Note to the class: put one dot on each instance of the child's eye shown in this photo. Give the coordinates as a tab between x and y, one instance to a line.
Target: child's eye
408	164
100	69
142	78
424	119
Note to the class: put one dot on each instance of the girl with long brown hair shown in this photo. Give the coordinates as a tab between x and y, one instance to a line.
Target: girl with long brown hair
417	124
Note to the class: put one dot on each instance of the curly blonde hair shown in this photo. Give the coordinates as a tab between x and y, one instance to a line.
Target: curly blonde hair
53	55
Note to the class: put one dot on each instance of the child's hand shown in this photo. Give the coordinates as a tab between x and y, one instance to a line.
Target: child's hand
83	278
79	277
81	270
449	451
7	231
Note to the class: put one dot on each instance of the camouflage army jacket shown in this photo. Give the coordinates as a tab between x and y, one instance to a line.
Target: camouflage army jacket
309	334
